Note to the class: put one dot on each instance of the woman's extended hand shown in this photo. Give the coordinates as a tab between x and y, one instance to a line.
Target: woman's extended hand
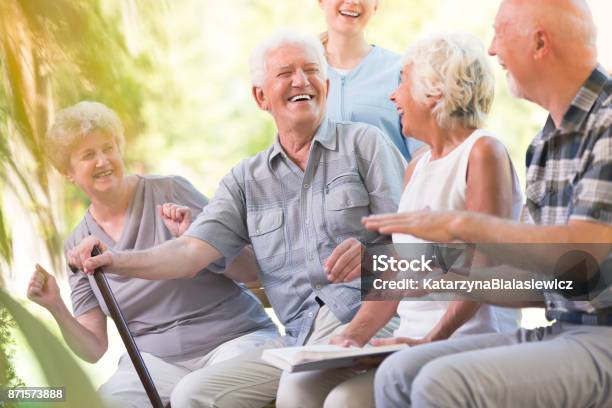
176	217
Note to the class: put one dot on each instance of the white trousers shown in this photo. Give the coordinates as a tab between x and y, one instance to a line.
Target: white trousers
173	380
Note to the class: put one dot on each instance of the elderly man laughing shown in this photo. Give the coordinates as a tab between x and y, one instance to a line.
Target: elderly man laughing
300	204
548	50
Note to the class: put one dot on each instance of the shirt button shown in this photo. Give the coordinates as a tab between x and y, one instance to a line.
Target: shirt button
306	185
307	222
318	287
257	231
310	314
310	257
349	202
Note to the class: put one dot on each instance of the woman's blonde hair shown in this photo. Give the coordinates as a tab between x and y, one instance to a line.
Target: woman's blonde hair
73	124
454	67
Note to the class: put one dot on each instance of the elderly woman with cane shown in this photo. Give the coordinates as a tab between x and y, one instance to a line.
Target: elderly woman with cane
181	326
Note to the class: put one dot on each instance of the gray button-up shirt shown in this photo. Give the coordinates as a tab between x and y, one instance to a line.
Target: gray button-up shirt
294	219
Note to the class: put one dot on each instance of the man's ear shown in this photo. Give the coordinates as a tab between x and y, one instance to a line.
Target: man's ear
542	44
260	98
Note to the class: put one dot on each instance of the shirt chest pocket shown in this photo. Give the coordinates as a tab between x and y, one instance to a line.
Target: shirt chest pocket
542	194
268	239
346	202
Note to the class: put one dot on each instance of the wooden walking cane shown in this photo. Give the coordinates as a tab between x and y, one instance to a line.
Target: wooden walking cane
126	336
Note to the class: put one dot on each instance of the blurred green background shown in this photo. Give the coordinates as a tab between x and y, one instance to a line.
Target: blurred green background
176	73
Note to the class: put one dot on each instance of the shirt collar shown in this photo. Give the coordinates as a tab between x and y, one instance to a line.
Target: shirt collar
583	102
325	136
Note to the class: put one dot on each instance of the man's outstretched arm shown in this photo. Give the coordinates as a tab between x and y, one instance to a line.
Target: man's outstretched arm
183	257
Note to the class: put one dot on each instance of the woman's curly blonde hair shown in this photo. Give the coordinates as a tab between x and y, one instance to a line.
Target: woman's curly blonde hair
454	67
73	124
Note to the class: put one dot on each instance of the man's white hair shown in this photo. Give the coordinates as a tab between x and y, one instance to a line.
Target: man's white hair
454	67
257	60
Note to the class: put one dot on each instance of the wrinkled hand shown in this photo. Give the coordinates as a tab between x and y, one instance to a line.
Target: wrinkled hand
344	263
435	226
43	288
389	341
360	363
80	256
344	341
177	218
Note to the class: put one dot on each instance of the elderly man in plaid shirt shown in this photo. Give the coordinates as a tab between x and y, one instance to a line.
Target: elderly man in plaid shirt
548	49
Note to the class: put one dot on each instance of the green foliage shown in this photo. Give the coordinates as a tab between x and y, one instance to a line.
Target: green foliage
53	54
8	377
58	367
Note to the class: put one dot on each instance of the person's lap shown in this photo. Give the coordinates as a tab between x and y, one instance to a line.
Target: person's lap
568	367
242	381
125	389
312	388
246	380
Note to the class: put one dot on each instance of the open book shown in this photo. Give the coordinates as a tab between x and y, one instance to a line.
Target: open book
323	357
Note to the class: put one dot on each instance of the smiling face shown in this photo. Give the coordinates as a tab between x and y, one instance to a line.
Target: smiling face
348	16
512	47
414	115
96	165
294	89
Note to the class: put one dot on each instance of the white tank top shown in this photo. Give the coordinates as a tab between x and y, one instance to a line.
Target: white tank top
441	185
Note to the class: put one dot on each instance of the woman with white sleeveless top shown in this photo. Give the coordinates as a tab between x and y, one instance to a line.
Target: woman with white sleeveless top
437	183
446	92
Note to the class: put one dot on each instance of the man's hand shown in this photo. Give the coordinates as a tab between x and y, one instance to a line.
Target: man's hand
435	226
344	263
344	341
389	341
80	256
361	363
43	289
177	218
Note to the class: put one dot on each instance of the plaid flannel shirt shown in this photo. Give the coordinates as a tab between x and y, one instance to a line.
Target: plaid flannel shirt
569	174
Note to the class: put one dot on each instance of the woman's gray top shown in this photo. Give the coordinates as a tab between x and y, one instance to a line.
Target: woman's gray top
173	319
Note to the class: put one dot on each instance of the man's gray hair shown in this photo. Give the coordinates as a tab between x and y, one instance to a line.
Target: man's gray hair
257	60
452	66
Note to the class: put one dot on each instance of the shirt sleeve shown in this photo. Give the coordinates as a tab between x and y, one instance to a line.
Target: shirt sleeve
382	168
592	199
222	223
